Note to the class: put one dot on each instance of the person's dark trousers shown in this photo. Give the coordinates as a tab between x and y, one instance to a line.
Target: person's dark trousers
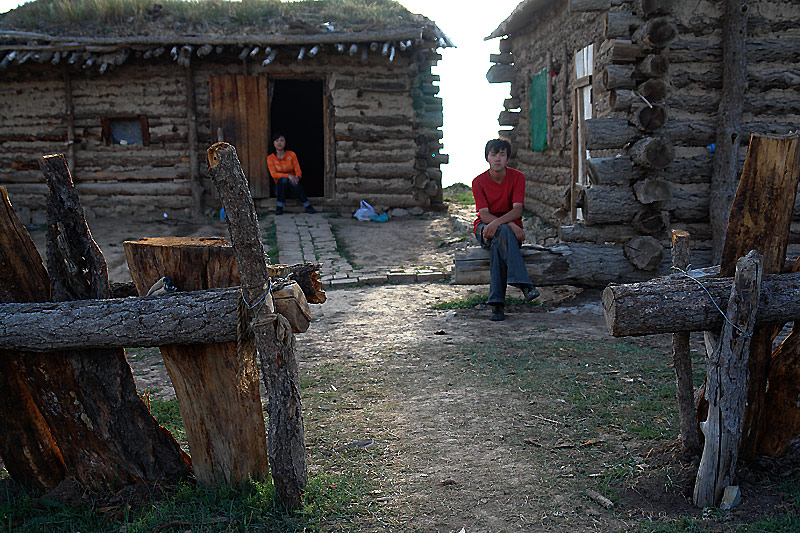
284	185
505	262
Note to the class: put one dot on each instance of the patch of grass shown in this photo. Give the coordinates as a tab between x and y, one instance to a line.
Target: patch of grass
339	489
189	506
472	300
467	302
270	240
39	13
341	247
459	194
168	414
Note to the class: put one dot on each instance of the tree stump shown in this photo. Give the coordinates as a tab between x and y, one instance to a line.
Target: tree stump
106	434
27	446
216	384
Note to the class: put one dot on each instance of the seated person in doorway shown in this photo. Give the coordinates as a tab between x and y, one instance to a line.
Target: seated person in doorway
499	195
285	171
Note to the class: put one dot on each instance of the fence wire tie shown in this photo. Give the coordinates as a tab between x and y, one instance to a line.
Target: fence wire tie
260	300
728	320
646	101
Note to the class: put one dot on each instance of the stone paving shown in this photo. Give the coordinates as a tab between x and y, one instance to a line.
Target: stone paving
304	237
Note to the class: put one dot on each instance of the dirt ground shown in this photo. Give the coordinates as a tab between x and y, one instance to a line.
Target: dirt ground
450	454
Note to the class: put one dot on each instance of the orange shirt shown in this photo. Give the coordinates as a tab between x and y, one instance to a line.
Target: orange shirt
283	167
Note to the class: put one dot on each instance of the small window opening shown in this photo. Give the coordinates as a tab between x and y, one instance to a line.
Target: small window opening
126	130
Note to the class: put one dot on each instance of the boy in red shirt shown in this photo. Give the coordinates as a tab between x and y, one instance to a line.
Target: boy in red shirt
499	197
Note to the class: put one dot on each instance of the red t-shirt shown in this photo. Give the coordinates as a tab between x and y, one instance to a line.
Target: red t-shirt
499	197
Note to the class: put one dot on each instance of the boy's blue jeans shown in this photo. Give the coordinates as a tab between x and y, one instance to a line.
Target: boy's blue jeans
505	262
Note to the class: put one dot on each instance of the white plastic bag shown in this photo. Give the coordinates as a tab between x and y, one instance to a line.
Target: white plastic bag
365	212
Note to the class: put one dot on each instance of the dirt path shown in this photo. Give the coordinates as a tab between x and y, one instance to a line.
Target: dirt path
464	434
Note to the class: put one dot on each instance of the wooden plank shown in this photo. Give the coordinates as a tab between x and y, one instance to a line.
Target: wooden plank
760	219
250	125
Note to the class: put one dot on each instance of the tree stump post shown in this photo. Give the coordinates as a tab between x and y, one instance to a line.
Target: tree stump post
106	434
682	360
273	335
216	384
27	446
726	385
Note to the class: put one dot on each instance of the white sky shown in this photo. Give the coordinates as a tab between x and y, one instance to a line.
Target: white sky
471	104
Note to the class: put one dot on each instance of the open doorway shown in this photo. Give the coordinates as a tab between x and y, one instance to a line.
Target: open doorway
296	109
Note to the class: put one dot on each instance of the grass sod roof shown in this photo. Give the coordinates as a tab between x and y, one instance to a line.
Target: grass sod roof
174	18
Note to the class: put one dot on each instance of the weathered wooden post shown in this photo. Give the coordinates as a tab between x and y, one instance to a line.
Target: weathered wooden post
682	359
726	385
759	220
217	383
273	334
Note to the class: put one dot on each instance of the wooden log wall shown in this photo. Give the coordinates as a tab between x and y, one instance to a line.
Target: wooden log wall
384	119
118	179
549	44
692	84
385	115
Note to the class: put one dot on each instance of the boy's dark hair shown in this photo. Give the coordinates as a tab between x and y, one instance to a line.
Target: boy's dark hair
495	145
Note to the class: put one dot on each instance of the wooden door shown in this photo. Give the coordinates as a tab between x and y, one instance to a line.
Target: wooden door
240	116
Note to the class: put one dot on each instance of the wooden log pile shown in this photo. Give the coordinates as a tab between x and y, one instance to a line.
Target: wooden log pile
627	201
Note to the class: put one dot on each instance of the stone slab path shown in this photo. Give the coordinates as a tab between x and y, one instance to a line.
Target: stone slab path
303	237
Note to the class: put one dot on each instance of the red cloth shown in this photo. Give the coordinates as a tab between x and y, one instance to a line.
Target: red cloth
282	167
499	197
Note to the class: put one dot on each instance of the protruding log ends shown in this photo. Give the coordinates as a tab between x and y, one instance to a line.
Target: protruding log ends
499	73
648	191
620	25
649	118
653	66
656	33
645	253
650	221
653	152
653	8
619	77
653	90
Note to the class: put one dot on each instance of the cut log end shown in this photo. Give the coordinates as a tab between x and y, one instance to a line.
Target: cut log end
213	153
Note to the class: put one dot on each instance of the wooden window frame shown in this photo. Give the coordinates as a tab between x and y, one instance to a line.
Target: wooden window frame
105	120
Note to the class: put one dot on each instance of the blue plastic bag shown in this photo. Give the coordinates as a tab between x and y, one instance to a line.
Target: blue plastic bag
365	212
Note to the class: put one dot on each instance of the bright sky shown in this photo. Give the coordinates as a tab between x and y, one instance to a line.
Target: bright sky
471	104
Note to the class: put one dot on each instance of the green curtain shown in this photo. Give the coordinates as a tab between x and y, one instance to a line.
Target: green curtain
538	111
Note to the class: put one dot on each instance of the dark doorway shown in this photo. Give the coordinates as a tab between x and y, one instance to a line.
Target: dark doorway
296	108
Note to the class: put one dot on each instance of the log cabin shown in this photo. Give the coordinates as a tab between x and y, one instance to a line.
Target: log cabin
134	99
631	118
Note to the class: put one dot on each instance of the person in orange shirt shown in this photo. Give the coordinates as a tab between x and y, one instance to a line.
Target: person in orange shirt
285	171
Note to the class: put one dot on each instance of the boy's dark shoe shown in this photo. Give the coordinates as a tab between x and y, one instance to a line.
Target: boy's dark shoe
279	210
310	209
497	313
530	293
